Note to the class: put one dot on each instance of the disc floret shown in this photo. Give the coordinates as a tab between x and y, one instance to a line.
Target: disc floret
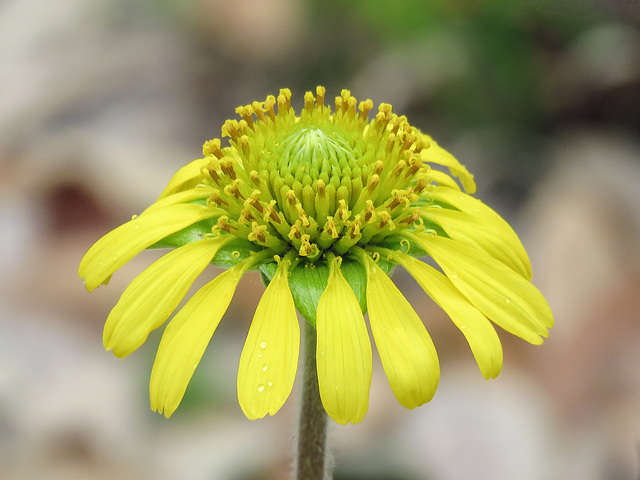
322	182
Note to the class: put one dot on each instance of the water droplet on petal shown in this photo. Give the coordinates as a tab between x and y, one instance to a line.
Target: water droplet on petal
265	368
453	275
507	299
263	345
269	384
260	388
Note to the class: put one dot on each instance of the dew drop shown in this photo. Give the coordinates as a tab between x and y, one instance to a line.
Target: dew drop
507	299
263	345
453	275
260	388
265	368
269	384
136	227
134	217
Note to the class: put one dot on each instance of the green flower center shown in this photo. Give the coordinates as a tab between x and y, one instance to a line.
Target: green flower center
320	182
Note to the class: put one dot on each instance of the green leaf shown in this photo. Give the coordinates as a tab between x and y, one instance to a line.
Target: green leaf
309	280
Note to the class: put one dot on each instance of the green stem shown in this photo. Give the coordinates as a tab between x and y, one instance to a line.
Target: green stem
312	429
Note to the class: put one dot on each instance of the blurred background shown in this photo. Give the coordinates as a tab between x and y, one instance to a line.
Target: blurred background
102	100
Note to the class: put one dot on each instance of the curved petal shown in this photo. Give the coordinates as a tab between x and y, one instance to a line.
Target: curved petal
155	293
501	294
122	244
343	352
185	196
406	350
185	178
186	338
477	329
442	179
269	358
433	153
500	243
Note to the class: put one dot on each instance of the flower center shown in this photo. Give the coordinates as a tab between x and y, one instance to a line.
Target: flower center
319	182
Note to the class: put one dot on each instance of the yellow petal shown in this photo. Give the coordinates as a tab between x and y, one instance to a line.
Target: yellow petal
155	293
501	243
186	338
497	291
122	244
435	154
270	355
185	178
476	328
442	179
343	352
406	350
186	196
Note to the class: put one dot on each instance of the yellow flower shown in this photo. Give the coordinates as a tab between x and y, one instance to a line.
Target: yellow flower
324	203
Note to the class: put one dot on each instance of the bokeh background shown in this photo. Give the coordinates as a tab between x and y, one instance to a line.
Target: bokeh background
102	100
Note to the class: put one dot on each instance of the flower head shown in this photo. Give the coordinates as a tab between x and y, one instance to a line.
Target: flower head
324	204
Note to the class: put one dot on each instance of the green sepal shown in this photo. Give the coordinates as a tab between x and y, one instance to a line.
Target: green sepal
308	281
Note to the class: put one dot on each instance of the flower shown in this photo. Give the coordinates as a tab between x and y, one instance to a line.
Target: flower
324	204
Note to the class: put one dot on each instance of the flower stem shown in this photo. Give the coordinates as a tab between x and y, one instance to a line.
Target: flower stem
312	429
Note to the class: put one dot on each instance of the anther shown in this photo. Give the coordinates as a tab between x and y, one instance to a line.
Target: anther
230	129
215	197
257	232
284	101
227	169
370	211
245	112
255	177
308	101
269	103
224	225
320	91
212	147
244	144
259	111
365	107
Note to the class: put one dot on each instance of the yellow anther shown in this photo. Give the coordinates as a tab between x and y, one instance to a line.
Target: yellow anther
355	227
302	215
215	197
245	112
231	129
365	107
294	232
343	211
212	147
254	201
224	225
370	212
258	109
373	182
291	198
377	168
255	177
308	249
234	188
330	227
284	100
227	168
269	103
258	232
415	216
308	101
244	144
320	91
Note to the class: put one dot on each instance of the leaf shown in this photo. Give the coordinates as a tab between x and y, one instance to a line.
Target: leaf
309	280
